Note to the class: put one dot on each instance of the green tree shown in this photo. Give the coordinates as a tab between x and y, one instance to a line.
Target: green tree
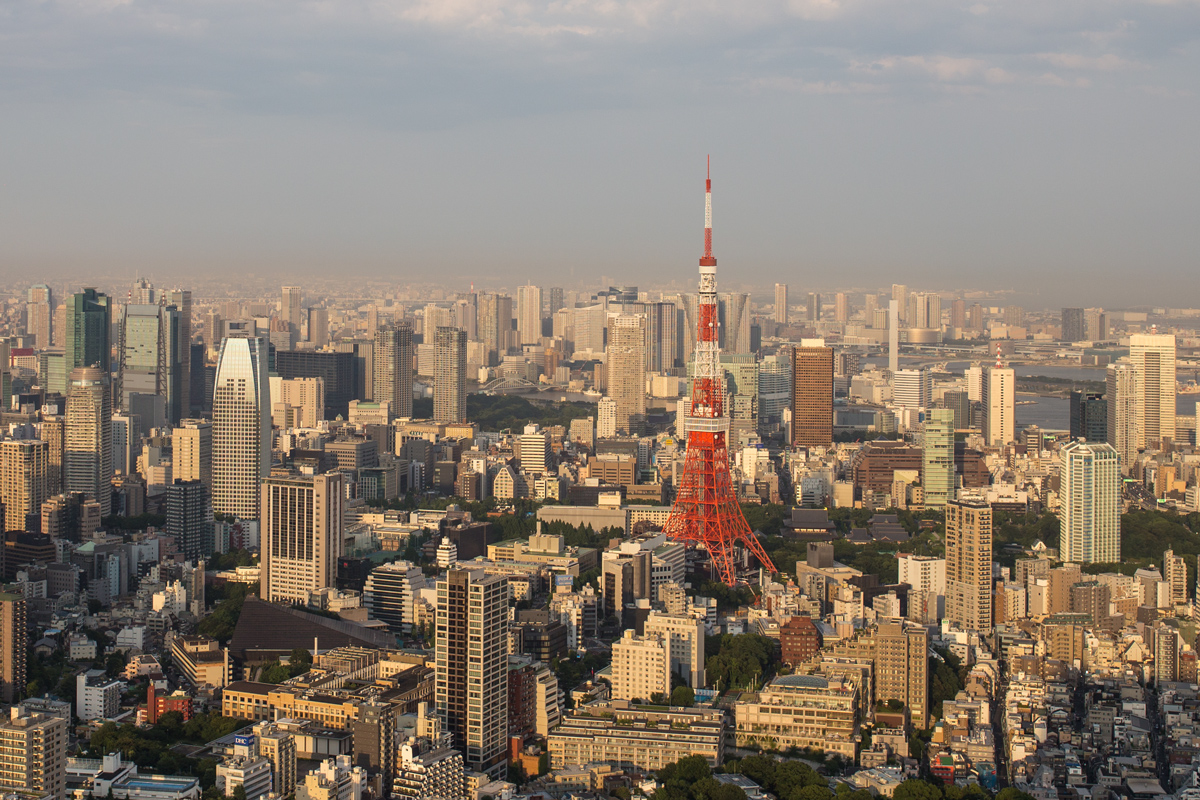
683	696
114	665
914	789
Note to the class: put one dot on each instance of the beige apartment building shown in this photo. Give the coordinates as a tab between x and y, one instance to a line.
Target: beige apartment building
801	711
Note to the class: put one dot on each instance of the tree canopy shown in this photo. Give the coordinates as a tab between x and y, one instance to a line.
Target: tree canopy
738	661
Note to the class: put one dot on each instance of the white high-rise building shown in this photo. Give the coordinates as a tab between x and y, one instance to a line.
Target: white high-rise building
606	418
241	427
781	303
1153	359
529	314
1121	395
390	591
998	397
974	378
533	450
684	635
925	573
1090	507
912	388
302	533
841	308
641	667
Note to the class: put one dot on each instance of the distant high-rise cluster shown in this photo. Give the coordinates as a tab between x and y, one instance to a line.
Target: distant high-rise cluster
434	502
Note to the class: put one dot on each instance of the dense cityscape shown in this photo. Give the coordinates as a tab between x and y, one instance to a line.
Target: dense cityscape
360	541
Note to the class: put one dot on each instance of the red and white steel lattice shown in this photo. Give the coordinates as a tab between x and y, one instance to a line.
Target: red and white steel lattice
706	510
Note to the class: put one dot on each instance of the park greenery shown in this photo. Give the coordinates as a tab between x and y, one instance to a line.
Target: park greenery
739	661
277	672
151	748
512	412
229	598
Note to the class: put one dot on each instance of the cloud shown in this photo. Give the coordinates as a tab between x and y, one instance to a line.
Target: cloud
446	60
1103	63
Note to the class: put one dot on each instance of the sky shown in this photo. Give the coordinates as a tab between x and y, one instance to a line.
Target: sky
1042	147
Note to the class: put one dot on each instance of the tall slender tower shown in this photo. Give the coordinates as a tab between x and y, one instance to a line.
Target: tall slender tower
89	436
241	427
706	510
449	375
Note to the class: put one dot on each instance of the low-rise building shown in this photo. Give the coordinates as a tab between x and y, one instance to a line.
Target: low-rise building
201	660
801	711
97	696
644	738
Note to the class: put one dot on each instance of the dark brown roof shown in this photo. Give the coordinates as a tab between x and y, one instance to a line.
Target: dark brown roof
268	628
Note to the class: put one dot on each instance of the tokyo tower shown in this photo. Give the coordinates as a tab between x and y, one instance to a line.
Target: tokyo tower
706	510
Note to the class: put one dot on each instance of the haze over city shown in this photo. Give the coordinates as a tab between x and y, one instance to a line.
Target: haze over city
1043	147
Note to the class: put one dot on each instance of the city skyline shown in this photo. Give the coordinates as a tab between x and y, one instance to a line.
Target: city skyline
925	145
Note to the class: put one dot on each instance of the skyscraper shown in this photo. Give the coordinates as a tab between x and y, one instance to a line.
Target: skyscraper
88	445
152	359
812	396
318	326
39	315
781	303
181	299
189	518
841	308
969	563
900	295
814	307
958	313
554	300
912	388
88	325
241	427
393	368
302	524
1121	397
1153	359
14	645
937	475
1089	416
450	376
494	323
291	306
23	480
1074	326
1090	513
472	666
529	314
627	371
893	335
998	398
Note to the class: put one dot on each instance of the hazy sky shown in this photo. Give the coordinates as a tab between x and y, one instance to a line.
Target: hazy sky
1032	144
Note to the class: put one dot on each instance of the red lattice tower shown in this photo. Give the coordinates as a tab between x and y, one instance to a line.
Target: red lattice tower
706	510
